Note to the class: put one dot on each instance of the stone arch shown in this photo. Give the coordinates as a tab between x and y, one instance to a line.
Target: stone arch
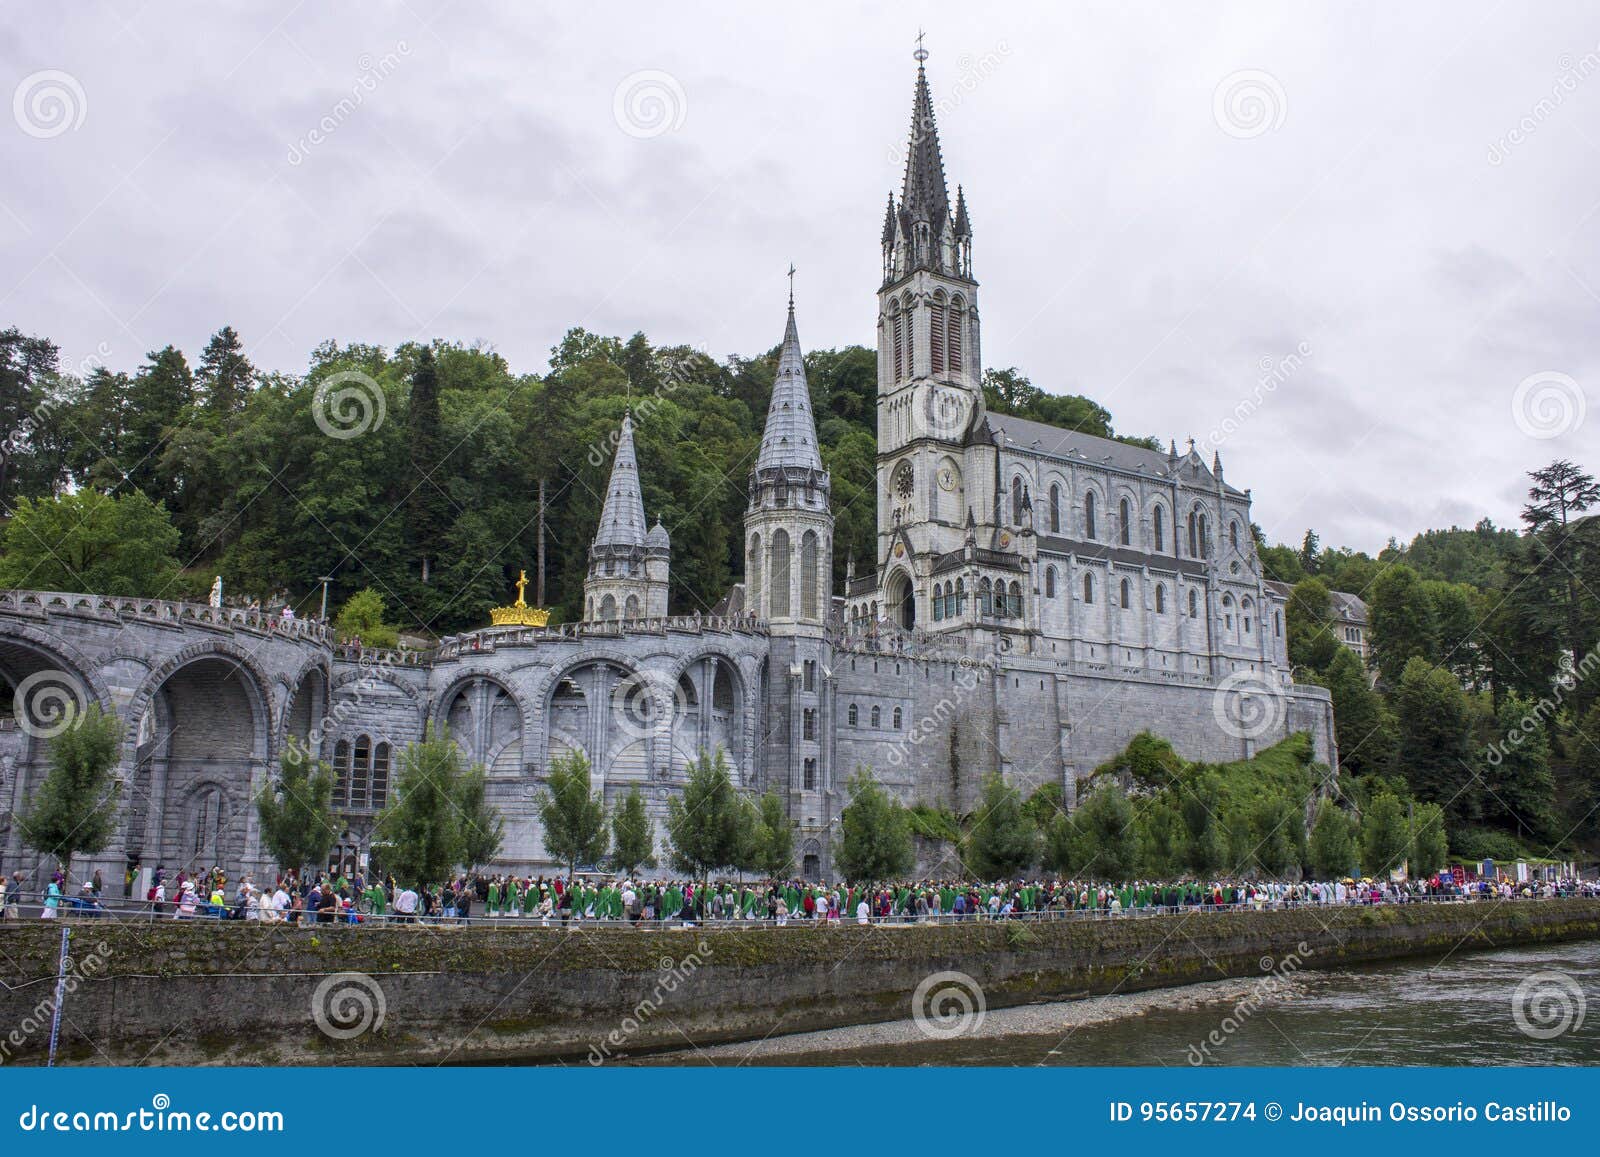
305	702
486	719
237	662
20	641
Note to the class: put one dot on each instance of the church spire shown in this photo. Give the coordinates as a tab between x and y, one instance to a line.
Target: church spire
924	196
622	520
790	436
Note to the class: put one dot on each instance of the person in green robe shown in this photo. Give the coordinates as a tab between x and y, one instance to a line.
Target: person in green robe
494	896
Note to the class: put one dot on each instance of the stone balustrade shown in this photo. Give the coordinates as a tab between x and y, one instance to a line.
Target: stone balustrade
41	604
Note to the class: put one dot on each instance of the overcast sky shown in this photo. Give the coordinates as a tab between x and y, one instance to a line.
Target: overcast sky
1394	208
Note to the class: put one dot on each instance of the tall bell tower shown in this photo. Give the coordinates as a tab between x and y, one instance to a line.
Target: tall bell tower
930	395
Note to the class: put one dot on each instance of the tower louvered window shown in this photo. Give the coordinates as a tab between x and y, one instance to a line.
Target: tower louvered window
899	345
936	324
953	339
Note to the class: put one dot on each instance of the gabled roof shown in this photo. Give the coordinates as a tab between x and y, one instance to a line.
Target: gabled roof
1026	434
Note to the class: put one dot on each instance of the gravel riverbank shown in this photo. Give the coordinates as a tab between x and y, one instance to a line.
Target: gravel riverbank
1061	1017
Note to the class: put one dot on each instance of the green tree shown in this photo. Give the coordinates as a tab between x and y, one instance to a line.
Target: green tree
224	376
1098	839
483	828
1520	791
1278	831
362	617
90	542
1429	845
1004	841
1561	492
875	836
574	818
296	812
633	834
707	825
777	837
427	501
1362	723
1309	626
159	398
1385	839
1332	849
421	826
1435	727
74	809
1402	625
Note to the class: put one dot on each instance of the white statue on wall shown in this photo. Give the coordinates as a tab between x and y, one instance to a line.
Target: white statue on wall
216	592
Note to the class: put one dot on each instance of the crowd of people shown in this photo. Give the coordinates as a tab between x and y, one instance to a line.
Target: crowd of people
563	900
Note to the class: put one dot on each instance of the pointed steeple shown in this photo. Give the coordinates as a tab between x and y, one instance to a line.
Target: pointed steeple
963	225
622	520
888	221
790	436
1216	464
924	195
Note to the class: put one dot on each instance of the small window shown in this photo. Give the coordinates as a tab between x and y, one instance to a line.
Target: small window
1158	524
1126	592
1049	582
1194	609
1088	588
1125	517
1088	515
855	715
808	726
1161	599
877	716
811	774
897	718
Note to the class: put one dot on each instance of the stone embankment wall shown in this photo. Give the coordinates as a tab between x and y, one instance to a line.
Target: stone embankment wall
174	993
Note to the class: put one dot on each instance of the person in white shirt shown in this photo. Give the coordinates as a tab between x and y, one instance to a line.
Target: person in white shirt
405	905
863	913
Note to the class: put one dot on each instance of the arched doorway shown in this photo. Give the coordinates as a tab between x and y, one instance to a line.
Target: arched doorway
902	601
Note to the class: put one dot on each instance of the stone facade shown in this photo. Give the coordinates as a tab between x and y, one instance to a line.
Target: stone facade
1039	597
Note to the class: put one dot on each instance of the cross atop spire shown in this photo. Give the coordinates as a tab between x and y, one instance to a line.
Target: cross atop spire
921	53
791	287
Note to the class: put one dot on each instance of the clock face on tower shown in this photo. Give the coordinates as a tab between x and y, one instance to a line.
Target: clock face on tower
947	478
904	482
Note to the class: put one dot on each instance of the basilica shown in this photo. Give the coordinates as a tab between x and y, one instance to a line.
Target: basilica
1037	598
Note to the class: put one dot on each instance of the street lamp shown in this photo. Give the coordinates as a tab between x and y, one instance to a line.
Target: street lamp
325	580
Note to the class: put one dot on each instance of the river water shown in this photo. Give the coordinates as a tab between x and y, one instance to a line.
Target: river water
1459	1012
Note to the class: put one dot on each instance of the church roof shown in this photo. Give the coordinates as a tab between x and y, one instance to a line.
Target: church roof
790	435
924	195
1026	434
622	520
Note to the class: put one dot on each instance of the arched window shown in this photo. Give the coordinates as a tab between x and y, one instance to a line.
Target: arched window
360	765
752	579
380	775
953	338
936	331
1125	517
1126	593
808	576
1088	588
608	608
985	598
1227	611
855	715
938	602
897	326
1205	549
1161	599
1055	509
1194	542
1088	515
779	570
210	822
341	767
877	717
1246	606
1194	604
1016	600
907	310
631	608
1016	500
1277	624
1158	522
1049	582
961	596
897	719
1233	535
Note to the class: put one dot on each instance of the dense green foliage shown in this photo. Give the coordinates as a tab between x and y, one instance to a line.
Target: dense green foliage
709	825
297	822
633	834
74	809
424	832
91	542
875	837
572	815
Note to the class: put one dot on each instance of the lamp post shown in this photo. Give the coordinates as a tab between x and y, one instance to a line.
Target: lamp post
325	580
